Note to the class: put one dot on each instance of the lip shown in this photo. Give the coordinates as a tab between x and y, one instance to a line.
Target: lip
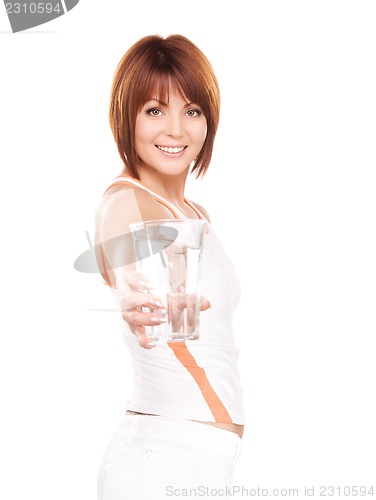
171	155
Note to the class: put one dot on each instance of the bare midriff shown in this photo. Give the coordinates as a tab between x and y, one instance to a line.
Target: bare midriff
238	429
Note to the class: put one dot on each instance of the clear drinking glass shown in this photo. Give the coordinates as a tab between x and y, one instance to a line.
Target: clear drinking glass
168	253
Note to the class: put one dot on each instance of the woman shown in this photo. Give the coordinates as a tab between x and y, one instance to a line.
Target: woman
184	421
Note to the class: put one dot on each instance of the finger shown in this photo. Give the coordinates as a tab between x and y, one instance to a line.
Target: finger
140	318
137	299
204	304
143	339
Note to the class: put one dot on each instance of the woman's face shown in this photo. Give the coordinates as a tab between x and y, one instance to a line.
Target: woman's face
169	136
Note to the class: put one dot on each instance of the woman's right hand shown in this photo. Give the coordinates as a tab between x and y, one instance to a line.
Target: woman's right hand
133	294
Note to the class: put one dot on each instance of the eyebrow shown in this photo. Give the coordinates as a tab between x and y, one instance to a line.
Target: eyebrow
157	100
165	103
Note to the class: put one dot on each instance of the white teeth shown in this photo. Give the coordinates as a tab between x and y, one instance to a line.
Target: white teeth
170	150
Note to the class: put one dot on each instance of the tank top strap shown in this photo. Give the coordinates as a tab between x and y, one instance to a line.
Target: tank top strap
131	181
176	211
195	209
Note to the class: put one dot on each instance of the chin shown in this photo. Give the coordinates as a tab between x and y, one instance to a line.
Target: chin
170	170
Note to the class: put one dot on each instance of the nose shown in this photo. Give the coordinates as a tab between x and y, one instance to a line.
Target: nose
174	126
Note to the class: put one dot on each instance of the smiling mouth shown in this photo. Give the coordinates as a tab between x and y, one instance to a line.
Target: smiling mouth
171	150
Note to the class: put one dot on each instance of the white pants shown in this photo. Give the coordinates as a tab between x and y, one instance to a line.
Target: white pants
155	458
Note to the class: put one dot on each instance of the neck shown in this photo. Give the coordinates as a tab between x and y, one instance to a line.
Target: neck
171	187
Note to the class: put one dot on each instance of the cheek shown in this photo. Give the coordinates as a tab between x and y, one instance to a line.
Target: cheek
199	133
204	133
140	137
139	130
145	130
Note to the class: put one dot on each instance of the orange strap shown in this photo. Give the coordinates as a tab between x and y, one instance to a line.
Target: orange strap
159	199
132	182
216	406
195	209
180	350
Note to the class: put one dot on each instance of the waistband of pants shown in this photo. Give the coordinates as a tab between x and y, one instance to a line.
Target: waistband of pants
169	432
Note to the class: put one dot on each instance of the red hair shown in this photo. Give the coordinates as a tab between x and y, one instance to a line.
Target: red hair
151	68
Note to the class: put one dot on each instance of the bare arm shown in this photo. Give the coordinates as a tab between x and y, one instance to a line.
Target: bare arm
114	248
115	256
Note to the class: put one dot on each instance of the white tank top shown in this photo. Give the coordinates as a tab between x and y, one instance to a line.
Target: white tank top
196	379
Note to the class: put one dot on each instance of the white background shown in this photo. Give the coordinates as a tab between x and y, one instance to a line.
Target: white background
291	192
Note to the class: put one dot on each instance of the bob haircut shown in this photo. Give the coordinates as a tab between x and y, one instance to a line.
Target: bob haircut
152	68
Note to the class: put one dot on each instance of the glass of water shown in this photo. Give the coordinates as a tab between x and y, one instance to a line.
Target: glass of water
168	253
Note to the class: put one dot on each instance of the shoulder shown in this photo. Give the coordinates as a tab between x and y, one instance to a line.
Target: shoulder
202	210
120	207
123	204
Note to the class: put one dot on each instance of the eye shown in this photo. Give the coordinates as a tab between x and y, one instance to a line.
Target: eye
194	112
154	112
